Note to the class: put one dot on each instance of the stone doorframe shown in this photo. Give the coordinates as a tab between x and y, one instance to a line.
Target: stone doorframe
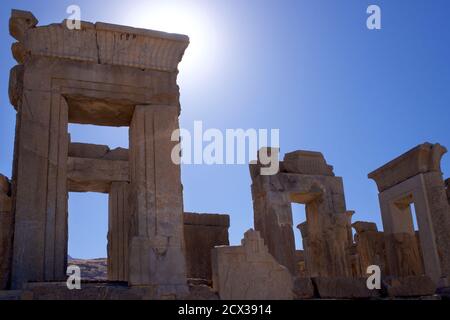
305	178
416	178
103	75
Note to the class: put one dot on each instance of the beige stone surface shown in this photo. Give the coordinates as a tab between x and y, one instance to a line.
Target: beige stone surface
15	87
326	233
157	234
303	288
370	246
95	175
424	158
306	162
344	288
118	231
97	75
249	272
411	286
202	232
100	43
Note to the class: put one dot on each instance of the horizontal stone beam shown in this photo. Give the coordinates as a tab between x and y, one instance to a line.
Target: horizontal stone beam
423	158
97	151
101	43
206	219
95	175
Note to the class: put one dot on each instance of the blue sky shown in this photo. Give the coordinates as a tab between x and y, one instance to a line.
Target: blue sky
310	68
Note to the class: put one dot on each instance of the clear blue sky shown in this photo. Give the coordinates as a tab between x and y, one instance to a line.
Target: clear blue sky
310	68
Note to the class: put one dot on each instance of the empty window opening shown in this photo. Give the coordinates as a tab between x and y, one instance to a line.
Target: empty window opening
88	225
298	216
113	137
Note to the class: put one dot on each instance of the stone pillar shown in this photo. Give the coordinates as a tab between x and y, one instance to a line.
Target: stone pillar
6	232
415	178
157	239
436	195
273	219
118	229
41	188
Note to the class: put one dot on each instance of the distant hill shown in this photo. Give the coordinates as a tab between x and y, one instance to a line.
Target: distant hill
91	269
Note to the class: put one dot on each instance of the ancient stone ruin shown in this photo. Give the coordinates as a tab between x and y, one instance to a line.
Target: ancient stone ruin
109	75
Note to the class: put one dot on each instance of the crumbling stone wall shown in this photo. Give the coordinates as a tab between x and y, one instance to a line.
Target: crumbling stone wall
249	272
6	232
306	178
203	232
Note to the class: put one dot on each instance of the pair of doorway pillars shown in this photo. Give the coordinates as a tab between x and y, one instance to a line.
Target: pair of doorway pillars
101	74
415	179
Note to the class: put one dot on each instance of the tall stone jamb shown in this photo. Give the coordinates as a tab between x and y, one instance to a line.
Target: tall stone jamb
118	231
156	238
306	178
6	232
415	178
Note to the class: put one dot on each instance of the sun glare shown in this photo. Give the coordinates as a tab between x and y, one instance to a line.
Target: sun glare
181	17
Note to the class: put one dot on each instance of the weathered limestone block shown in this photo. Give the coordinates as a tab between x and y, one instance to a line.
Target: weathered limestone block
249	272
343	288
403	254
303	288
95	175
6	233
146	49
40	170
157	235
15	89
202	232
424	158
415	178
306	162
412	286
20	22
96	151
118	231
370	246
100	43
440	217
328	222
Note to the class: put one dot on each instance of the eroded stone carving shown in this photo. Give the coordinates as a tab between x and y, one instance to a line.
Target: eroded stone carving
304	178
249	272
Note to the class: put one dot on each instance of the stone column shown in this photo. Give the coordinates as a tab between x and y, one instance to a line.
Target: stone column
41	189
118	229
157	239
436	195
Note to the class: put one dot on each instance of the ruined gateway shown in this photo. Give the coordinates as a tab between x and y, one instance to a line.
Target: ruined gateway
114	75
